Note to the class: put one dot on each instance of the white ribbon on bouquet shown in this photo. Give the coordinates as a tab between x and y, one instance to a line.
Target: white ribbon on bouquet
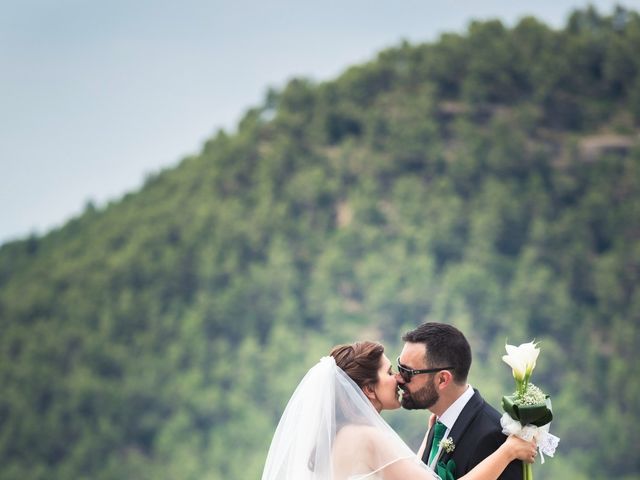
547	443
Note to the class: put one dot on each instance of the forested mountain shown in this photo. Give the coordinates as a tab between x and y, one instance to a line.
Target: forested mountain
490	179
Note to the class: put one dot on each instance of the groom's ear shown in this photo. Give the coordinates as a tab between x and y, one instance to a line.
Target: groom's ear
444	378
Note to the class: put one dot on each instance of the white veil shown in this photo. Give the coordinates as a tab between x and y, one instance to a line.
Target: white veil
330	431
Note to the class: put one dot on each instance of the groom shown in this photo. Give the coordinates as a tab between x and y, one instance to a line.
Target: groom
433	368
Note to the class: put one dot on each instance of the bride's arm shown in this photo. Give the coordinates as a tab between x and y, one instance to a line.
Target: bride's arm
389	464
408	468
492	467
489	469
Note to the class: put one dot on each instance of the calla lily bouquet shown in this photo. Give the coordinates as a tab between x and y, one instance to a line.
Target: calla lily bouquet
528	410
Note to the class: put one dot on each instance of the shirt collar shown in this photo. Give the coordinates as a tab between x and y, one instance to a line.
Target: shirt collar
452	413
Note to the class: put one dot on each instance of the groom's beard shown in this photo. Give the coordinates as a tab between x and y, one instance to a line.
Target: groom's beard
426	397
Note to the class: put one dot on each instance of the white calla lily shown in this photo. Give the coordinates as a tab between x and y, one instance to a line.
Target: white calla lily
522	360
515	361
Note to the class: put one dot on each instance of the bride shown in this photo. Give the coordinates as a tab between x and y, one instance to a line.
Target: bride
331	428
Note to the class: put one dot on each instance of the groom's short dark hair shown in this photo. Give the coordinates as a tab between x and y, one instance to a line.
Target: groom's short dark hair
446	346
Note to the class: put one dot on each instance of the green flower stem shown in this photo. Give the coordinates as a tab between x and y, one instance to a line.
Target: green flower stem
527	471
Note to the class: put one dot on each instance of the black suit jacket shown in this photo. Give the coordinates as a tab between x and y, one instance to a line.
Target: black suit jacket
476	435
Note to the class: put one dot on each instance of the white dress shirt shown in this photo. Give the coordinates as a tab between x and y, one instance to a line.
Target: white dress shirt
450	415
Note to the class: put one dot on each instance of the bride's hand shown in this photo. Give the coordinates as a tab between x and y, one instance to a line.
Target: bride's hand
521	449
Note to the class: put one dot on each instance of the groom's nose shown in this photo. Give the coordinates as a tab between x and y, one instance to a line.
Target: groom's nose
399	379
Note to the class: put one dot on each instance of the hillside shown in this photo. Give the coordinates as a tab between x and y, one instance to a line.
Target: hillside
489	179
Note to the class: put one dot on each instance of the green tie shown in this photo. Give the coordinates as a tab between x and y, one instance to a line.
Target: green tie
439	429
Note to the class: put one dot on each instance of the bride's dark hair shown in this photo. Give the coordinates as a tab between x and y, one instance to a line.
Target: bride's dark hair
359	360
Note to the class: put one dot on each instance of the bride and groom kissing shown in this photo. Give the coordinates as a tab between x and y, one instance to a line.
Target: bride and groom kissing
331	428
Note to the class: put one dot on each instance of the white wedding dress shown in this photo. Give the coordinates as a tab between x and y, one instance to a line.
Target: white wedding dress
330	431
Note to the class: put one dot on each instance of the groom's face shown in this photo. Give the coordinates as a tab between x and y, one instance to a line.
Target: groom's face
419	391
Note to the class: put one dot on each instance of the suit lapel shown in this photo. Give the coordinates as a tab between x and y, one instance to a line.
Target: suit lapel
427	447
469	412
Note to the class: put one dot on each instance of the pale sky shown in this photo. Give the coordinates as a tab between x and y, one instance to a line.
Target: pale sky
96	95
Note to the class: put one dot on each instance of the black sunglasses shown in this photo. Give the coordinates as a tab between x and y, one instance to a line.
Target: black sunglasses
408	373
